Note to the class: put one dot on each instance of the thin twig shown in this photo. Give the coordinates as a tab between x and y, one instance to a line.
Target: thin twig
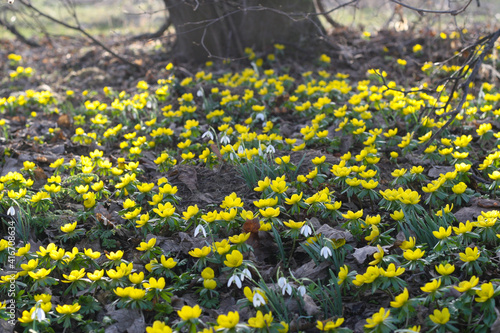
16	33
81	30
421	11
465	86
321	9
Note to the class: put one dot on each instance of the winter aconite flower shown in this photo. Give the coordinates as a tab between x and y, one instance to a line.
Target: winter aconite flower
470	254
486	292
228	321
440	317
329	325
187	312
234	259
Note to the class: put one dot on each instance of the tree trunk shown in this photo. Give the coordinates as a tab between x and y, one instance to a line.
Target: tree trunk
223	28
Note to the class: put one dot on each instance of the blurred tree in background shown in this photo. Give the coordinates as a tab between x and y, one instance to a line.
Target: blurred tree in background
223	28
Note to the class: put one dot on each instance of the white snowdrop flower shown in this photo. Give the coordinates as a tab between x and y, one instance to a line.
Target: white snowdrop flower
306	230
281	282
208	134
270	149
199	93
11	211
325	252
199	229
246	272
241	150
38	314
286	288
225	140
259	116
236	279
258	300
302	290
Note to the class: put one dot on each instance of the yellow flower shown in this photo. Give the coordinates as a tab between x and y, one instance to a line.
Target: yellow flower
463	228
208	273
445	269
209	284
234	259
191	211
294	225
91	254
261	320
442	233
137	294
413	255
263	184
40	274
68	227
279	185
147	246
409	197
392	271
353	216
377	256
68	309
155	284
97	275
270	212
295	198
447	209
432	286
200	253
400	299
228	321
28	316
486	292
239	239
373	234
115	255
168	263
464	286
470	254
164	210
440	317
74	276
377	318
223	246
158	327
89	200
145	187
52	188
23	250
398	215
369	185
343	272
187	312
136	278
57	163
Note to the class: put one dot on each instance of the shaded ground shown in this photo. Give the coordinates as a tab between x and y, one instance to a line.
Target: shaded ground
77	65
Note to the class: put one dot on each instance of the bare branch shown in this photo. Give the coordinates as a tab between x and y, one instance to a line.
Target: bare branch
16	33
81	30
157	34
421	11
477	59
321	9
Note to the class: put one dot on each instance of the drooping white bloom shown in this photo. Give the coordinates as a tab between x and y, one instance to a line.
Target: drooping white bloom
325	252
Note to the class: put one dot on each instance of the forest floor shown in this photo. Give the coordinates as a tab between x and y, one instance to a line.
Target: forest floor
154	159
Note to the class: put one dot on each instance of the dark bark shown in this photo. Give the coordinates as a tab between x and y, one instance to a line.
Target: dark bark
16	33
223	28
